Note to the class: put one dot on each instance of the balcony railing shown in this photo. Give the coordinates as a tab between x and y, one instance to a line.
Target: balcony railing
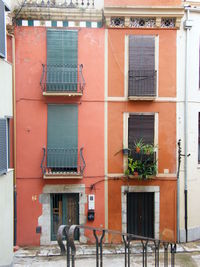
60	4
142	83
65	78
149	248
62	161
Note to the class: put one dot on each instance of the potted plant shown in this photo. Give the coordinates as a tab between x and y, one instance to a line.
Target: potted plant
142	161
138	145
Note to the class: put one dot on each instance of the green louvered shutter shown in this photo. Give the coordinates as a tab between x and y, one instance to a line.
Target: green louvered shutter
62	139
142	78
3	146
62	60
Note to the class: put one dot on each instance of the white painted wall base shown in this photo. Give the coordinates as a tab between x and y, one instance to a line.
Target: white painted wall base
6	221
193	234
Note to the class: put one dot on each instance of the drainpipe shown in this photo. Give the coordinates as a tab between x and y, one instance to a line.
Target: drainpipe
187	27
14	137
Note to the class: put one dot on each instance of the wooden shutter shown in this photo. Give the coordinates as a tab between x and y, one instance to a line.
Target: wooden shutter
62	47
140	126
62	134
142	80
3	146
2	30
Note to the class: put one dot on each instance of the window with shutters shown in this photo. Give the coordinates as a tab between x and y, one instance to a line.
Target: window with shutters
62	74
142	75
2	30
3	146
62	155
141	145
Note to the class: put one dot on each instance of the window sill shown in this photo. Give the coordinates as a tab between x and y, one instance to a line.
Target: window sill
62	94
142	98
63	176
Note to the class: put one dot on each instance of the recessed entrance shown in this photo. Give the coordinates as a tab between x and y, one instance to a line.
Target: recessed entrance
140	213
64	210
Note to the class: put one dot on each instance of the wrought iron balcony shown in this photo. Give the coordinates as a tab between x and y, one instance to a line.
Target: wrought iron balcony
142	84
62	79
62	162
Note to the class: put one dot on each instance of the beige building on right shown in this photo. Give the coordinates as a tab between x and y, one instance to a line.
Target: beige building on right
188	124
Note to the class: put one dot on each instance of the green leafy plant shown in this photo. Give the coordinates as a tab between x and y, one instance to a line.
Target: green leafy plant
142	163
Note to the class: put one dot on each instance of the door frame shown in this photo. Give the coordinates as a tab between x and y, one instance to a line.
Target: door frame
45	219
142	189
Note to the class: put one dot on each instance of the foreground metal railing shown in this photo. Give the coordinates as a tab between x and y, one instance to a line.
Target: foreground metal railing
168	248
142	83
62	78
62	160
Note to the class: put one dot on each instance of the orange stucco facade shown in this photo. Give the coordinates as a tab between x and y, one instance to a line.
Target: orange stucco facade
31	112
165	108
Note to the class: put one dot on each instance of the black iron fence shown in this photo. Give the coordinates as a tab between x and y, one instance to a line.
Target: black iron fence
60	78
142	83
168	248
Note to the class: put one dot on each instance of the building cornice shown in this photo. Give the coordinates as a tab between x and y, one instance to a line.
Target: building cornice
158	13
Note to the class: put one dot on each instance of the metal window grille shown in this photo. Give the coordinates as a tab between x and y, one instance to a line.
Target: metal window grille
3	146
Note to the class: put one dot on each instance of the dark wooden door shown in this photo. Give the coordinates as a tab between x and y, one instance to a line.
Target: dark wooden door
140	214
64	210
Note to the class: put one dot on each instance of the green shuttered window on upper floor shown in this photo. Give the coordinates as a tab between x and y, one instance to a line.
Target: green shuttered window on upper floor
62	137
62	47
142	73
62	60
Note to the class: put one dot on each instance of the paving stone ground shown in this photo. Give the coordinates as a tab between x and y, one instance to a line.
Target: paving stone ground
188	255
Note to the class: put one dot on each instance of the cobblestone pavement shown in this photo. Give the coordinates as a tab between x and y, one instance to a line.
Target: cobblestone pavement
188	255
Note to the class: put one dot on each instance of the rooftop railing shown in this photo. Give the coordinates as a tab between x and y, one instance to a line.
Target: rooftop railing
142	83
149	247
62	78
61	3
62	161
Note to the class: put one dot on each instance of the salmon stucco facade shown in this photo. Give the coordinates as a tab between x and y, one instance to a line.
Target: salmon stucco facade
60	127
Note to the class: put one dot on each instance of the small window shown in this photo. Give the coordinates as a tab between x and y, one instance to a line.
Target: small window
3	146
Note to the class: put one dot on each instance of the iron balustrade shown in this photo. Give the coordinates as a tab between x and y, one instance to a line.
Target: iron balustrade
142	83
62	160
57	4
67	232
62	78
